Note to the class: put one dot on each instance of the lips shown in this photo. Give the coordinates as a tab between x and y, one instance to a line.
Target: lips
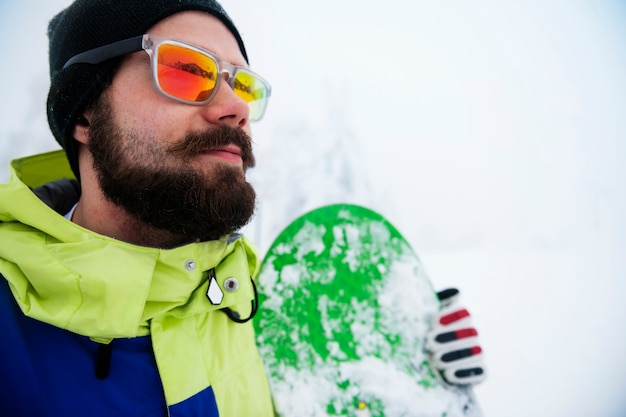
230	153
232	149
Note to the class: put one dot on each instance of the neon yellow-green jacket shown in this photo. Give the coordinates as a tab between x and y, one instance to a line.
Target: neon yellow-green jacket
71	291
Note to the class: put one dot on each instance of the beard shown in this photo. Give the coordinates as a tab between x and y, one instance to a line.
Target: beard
158	185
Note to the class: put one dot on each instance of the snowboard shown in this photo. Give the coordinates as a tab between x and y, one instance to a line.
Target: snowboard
345	308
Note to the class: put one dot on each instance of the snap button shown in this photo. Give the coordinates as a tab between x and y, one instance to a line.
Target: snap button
231	284
190	265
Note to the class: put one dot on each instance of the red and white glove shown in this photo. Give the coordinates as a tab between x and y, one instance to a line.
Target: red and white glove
453	343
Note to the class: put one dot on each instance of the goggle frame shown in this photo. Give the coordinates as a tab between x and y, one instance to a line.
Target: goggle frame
151	44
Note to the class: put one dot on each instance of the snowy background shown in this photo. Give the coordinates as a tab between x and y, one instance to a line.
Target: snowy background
492	133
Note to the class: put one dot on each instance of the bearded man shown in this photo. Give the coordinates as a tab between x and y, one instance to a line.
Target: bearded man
116	250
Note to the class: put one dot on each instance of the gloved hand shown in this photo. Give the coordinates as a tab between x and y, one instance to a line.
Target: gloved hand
453	343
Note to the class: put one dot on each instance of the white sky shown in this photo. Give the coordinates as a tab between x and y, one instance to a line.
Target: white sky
491	132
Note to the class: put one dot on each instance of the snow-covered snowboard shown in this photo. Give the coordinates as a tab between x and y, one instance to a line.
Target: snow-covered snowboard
345	307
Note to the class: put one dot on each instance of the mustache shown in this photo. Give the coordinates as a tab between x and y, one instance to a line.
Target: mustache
195	143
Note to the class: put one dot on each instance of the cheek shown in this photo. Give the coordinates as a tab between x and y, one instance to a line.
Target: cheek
138	110
133	98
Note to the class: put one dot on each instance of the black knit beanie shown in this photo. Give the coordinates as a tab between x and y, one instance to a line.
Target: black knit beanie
87	24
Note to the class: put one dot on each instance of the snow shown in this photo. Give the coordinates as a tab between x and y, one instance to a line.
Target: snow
492	135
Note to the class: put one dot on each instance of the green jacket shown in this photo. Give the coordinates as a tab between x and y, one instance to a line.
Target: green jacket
92	285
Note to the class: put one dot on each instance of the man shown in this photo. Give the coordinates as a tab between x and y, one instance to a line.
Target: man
108	314
128	290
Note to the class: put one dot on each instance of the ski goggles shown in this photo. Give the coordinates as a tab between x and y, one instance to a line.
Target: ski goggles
186	73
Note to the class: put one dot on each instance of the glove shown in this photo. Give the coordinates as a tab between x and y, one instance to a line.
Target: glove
453	343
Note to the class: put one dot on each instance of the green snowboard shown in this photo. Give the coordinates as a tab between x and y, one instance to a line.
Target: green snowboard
345	307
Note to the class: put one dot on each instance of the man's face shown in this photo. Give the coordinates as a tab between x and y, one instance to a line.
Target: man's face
175	166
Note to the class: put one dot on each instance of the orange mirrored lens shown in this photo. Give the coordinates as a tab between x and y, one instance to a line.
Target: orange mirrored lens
185	73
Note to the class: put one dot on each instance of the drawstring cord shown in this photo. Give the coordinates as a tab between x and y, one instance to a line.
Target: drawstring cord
234	316
103	360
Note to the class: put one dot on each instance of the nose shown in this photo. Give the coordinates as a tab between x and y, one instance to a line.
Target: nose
226	107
